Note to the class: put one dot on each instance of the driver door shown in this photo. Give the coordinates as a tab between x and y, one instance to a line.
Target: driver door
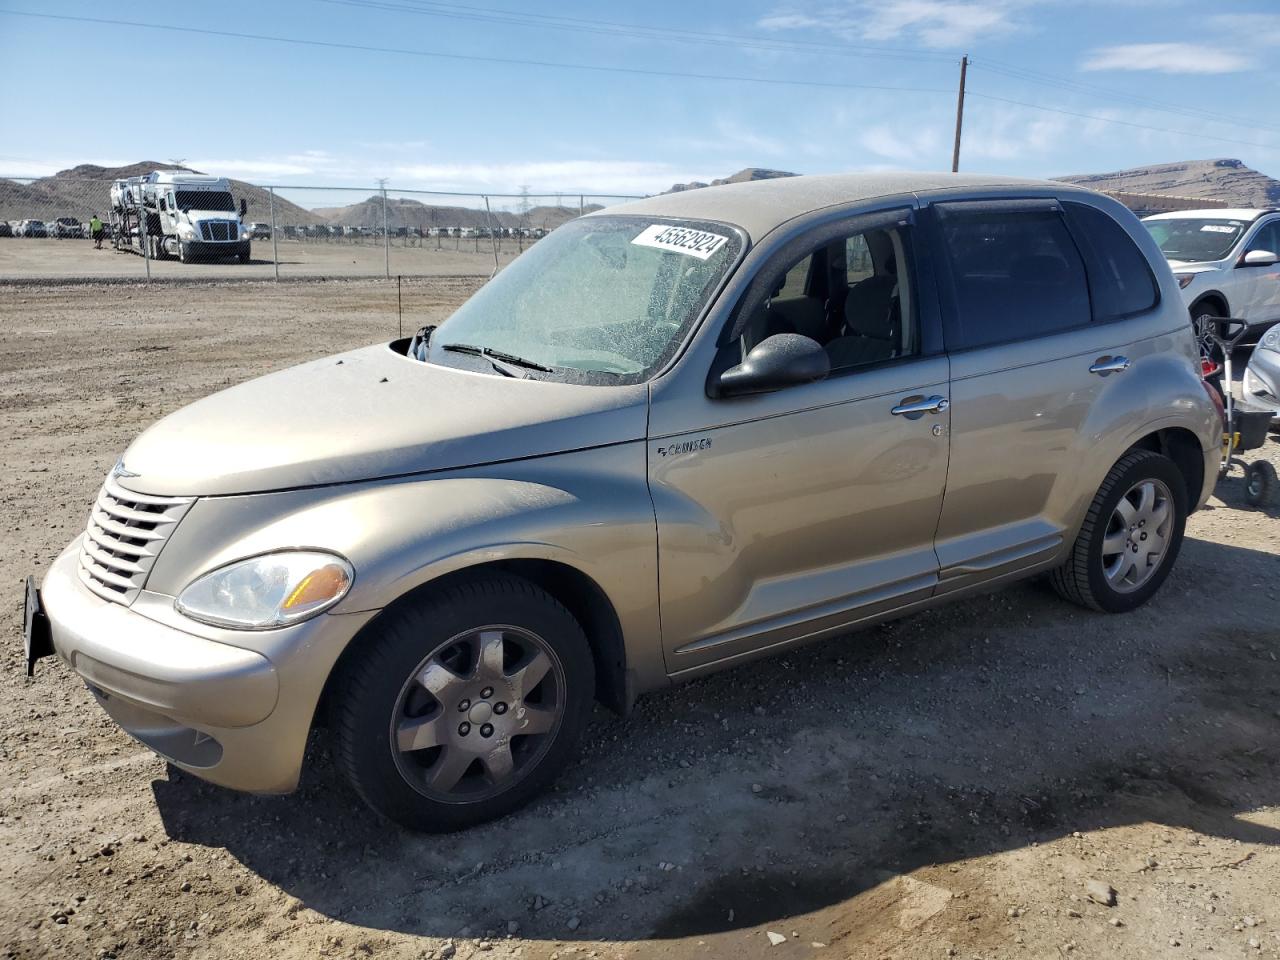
790	514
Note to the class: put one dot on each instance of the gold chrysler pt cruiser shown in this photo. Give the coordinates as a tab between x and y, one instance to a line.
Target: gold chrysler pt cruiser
672	436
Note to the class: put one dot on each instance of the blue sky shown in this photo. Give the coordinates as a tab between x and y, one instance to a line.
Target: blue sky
72	91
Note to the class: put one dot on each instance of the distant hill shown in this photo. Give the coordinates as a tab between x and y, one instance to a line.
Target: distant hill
1222	179
742	176
85	190
405	212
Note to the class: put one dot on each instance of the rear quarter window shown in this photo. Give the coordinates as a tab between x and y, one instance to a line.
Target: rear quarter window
1120	279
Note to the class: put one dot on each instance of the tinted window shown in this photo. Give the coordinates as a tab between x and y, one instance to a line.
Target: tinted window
1120	280
1268	238
1017	275
847	294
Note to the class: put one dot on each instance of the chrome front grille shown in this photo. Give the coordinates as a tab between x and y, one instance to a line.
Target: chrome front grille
125	533
218	231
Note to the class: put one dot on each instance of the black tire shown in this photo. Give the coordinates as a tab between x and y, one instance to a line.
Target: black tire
1201	326
243	254
374	677
1260	483
1082	579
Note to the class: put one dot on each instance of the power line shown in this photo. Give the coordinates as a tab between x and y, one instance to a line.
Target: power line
512	61
632	30
1123	123
1080	86
634	71
435	8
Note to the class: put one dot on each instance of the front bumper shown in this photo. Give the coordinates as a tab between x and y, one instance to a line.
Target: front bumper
235	716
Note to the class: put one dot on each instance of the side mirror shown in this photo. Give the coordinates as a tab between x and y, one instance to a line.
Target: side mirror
783	360
244	206
1258	258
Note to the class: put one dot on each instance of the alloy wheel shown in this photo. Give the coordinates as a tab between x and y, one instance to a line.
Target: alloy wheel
478	713
1137	535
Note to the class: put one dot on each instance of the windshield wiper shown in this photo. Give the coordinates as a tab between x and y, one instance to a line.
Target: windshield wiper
490	354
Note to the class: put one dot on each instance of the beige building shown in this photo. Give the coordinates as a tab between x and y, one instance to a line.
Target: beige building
1145	204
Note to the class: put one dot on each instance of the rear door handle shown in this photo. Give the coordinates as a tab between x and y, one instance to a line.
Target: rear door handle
913	408
1105	365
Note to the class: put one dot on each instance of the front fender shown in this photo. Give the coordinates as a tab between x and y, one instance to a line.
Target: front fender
589	510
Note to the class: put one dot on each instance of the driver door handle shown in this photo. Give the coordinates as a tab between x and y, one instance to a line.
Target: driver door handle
1105	365
915	407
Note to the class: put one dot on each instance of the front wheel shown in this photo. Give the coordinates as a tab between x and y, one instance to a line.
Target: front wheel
464	705
1130	537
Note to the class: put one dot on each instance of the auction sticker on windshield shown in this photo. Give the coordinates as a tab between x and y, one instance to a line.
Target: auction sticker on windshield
694	243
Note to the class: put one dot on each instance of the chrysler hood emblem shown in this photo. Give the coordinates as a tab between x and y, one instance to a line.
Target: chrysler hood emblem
119	470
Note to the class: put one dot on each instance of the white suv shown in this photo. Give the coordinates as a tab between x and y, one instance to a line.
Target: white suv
1225	261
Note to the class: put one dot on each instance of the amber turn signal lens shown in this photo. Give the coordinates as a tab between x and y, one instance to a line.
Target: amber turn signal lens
319	586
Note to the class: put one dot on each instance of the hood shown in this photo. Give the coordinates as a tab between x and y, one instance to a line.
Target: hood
368	414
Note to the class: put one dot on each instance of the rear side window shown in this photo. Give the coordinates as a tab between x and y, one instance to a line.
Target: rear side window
1120	279
1017	274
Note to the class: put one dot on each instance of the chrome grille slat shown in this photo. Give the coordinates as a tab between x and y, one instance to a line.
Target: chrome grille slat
112	561
109	526
125	533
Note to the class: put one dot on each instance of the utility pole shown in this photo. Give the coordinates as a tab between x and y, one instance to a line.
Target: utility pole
955	153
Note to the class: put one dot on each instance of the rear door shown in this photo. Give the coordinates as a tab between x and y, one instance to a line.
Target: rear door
1259	298
1030	357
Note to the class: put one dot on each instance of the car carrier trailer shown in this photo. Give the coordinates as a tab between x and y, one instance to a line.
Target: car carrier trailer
189	216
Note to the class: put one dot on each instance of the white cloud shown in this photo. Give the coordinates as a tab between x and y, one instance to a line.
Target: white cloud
1168	58
908	146
935	23
1260	29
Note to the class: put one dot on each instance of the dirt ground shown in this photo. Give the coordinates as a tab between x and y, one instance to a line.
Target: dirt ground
48	259
942	786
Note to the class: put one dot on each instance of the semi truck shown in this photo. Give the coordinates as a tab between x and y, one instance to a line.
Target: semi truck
168	213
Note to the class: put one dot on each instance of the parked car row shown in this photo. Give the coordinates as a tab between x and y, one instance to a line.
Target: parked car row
62	228
321	231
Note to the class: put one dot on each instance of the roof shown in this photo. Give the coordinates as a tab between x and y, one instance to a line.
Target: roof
1214	213
758	206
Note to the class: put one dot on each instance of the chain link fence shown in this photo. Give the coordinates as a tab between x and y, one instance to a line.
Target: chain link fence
157	230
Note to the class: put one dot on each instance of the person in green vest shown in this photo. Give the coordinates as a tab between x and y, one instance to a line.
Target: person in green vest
95	230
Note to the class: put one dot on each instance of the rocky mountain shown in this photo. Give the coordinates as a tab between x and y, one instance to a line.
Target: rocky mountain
742	176
405	212
1222	179
85	190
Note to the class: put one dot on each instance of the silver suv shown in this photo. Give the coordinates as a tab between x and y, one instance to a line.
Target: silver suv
670	437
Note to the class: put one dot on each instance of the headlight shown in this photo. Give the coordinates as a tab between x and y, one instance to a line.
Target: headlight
1272	340
1183	279
185	231
273	590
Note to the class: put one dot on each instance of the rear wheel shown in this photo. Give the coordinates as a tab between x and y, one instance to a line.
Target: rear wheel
1260	483
464	706
1130	537
1207	329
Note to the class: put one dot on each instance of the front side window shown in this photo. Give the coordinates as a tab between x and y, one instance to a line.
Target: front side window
849	295
1195	239
1017	275
601	299
1268	238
